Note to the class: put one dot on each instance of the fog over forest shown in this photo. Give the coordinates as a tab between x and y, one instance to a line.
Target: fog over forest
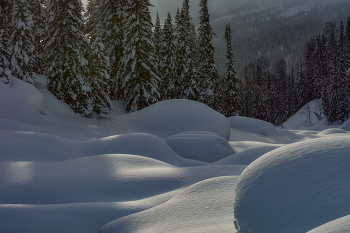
217	8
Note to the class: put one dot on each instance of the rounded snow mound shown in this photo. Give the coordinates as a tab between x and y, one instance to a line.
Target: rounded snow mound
255	126
30	94
295	188
202	146
172	117
331	131
341	225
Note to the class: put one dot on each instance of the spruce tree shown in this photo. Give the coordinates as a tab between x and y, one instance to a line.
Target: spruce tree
112	17
66	67
22	41
157	41
347	39
342	82
186	72
139	77
5	73
39	21
230	93
168	64
99	77
92	19
208	74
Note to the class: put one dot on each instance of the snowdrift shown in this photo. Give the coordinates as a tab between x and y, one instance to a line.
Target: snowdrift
173	117
201	146
254	126
341	225
295	188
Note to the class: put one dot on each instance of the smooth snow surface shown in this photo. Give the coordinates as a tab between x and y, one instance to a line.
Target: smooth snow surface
295	188
171	167
201	146
341	225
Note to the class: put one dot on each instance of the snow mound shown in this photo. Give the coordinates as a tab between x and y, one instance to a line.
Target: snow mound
246	157
255	126
295	188
40	147
331	131
173	117
341	225
204	207
202	146
30	94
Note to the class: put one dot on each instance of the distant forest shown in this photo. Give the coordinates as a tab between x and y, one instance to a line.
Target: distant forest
114	52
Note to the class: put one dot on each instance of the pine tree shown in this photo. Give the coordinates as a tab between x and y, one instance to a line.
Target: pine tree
186	70
347	39
157	41
139	77
342	82
39	21
5	73
208	74
230	93
112	16
22	41
93	17
99	77
66	67
168	64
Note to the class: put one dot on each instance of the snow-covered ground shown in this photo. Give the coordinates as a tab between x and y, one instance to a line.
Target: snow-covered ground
177	166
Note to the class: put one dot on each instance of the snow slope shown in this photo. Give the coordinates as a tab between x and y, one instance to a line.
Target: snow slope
295	188
172	167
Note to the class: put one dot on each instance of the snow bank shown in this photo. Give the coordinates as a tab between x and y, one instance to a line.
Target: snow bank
40	147
341	225
201	146
255	126
29	94
173	117
331	131
295	188
246	157
204	207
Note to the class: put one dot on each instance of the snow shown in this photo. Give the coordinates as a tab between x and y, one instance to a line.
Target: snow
295	188
202	146
176	166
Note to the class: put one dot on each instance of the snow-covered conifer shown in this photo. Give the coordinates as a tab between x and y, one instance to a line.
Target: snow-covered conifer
39	21
5	9
157	41
112	17
92	16
207	67
22	41
66	67
139	76
99	77
230	93
168	67
186	69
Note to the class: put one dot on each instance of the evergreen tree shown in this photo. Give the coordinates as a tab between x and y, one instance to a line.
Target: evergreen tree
66	67
347	42
157	41
168	64
112	17
93	18
5	73
207	67
342	82
99	77
230	92
139	77
186	70
21	42
39	21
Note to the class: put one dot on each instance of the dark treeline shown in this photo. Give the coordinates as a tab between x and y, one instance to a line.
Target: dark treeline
273	93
